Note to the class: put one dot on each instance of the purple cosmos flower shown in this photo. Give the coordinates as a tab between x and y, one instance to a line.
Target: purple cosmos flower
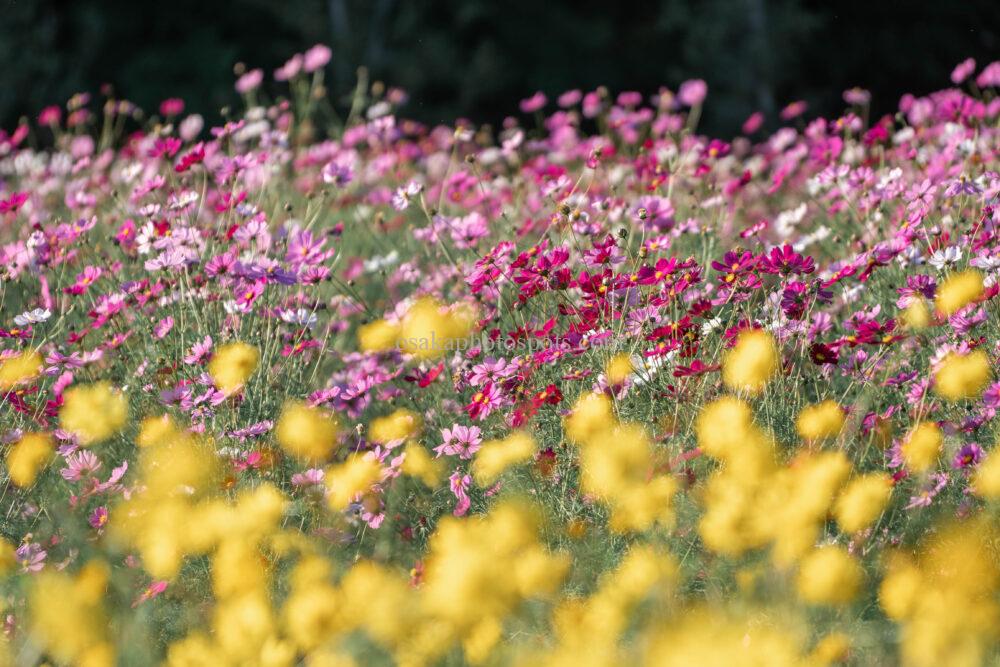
969	455
98	518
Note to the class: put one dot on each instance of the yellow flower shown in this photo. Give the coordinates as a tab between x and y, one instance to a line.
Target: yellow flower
312	615
354	476
723	425
400	425
591	414
900	588
93	412
26	458
242	624
916	316
19	368
329	658
829	575
819	421
65	614
378	336
618	368
834	647
308	433
8	559
986	481
380	600
495	456
615	462
639	506
963	375
958	291
862	502
482	640
419	463
194	649
429	329
156	431
232	365
922	446
237	567
751	363
708	636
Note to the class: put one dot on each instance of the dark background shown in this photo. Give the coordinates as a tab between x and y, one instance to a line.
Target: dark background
478	58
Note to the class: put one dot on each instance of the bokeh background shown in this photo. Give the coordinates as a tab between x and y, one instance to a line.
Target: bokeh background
477	58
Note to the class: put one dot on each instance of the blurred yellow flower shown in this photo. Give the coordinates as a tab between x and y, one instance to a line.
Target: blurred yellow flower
495	456
27	457
307	433
963	375
819	421
19	368
232	365
830	576
862	501
93	412
958	291
351	478
922	446
752	362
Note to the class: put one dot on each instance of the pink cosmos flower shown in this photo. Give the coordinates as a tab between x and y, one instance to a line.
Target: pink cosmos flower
491	370
534	103
794	110
163	327
930	489
484	402
84	280
31	556
249	81
316	57
191	127
570	98
753	123
288	71
990	76
858	96
246	295
459	483
311	477
98	518
50	116
963	70
460	441
172	106
692	92
83	463
153	590
199	352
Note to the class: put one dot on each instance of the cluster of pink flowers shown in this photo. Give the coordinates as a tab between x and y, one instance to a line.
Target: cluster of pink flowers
610	227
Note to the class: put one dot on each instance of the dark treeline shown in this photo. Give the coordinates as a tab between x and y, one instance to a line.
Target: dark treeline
477	58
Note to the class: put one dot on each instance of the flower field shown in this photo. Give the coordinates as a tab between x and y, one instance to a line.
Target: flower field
325	386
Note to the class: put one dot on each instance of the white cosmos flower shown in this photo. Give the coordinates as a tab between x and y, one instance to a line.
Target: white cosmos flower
946	257
32	317
300	316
